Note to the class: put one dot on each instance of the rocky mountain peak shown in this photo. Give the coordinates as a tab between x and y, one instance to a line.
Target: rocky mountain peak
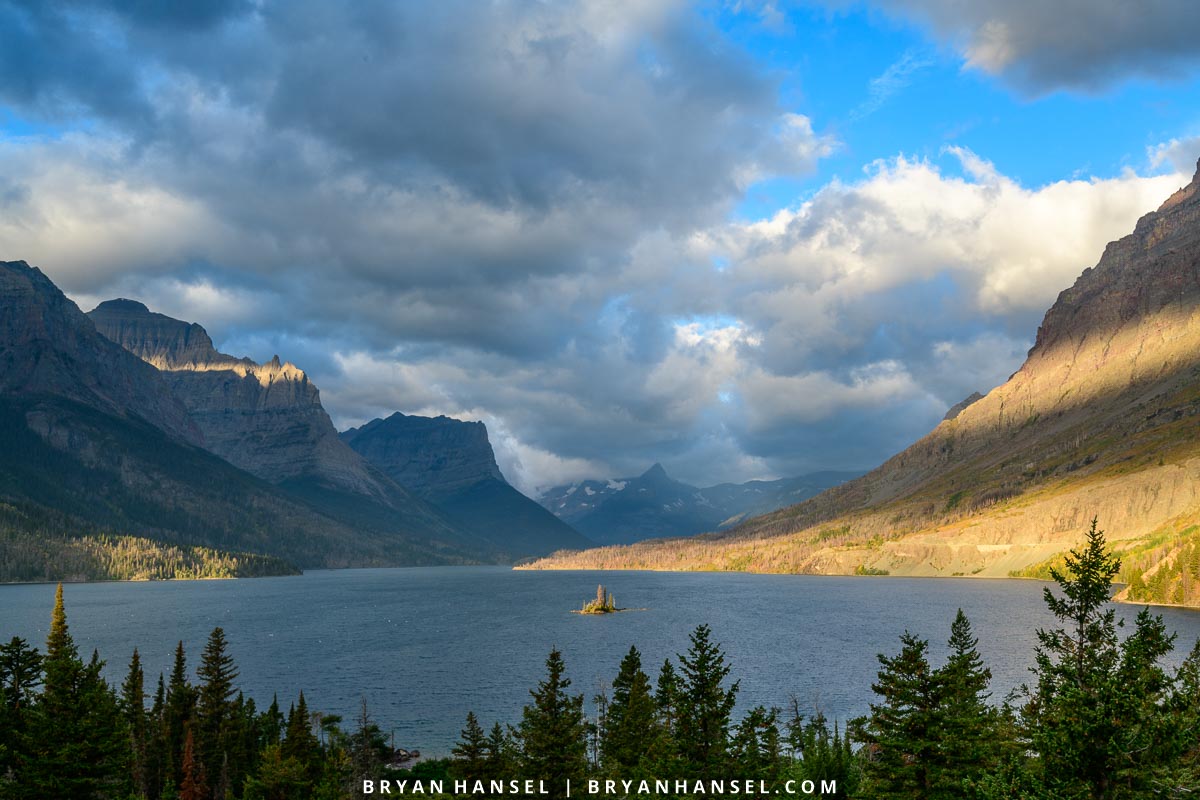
265	418
49	347
432	456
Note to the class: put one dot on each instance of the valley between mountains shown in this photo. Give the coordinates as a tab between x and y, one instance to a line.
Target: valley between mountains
134	448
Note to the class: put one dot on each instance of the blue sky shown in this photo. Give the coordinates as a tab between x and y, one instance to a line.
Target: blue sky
747	239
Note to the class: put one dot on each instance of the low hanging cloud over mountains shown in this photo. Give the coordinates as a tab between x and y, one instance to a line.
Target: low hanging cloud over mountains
522	212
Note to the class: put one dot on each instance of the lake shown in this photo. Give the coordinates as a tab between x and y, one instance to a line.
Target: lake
425	645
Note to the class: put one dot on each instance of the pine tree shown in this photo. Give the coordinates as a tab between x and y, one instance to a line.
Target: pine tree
901	732
704	707
553	733
133	706
631	727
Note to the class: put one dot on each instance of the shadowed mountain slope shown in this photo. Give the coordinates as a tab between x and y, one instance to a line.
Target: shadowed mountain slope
451	464
96	441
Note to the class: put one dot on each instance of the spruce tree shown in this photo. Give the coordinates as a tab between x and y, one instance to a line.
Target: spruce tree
179	712
20	675
133	706
821	754
553	733
471	752
704	707
901	732
157	763
214	707
500	759
1100	716
756	747
78	745
968	741
631	727
300	743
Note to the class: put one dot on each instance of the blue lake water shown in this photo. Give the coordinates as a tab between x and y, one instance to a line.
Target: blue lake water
425	645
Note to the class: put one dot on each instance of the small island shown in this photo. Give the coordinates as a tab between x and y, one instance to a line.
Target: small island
603	604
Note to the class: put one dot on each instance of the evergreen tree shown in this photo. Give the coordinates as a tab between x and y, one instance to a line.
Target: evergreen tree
822	754
704	707
78	746
969	738
368	744
500	759
553	734
133	706
271	724
902	730
193	785
179	712
756	747
156	743
214	709
20	675
1104	717
631	727
279	777
300	743
471	751
1071	715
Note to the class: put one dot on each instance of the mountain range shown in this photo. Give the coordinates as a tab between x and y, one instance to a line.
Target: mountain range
1101	421
129	438
654	505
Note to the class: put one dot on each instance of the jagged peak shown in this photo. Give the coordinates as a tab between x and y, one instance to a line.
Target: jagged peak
655	471
1184	194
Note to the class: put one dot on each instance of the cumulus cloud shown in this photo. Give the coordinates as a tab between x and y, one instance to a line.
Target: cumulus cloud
1073	44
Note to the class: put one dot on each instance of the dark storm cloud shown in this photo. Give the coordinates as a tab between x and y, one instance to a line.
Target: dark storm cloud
519	211
1077	44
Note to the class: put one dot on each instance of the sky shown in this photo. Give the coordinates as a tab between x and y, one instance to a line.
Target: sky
745	239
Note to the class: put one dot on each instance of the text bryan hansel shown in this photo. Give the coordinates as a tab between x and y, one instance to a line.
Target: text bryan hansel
743	788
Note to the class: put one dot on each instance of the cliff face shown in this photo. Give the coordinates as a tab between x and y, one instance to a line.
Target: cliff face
95	441
264	418
432	456
48	346
451	464
1102	419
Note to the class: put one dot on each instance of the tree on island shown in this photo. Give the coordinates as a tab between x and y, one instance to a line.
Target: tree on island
603	604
